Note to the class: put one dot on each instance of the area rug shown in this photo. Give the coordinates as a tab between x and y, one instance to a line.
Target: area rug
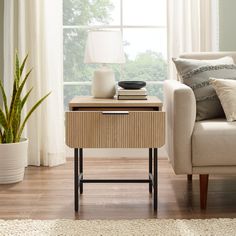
118	227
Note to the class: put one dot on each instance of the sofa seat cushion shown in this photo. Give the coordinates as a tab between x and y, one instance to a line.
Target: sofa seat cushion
214	143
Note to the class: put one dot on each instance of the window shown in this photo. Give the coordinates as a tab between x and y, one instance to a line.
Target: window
143	26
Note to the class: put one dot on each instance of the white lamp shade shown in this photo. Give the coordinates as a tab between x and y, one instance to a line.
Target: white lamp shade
104	47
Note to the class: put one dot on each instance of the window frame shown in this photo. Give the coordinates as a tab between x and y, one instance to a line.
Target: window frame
121	26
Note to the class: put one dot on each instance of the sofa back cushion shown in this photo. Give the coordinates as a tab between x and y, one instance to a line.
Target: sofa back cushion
196	73
208	55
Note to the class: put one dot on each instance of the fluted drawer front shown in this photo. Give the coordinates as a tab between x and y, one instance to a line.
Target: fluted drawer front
98	130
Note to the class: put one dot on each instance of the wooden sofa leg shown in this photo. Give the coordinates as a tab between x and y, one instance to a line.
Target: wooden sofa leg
203	190
190	177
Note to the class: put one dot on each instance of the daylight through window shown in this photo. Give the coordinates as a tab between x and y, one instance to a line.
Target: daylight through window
143	26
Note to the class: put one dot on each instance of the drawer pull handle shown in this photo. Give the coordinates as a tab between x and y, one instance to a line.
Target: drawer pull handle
115	113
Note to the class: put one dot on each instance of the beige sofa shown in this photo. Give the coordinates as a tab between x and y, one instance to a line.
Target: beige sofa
204	147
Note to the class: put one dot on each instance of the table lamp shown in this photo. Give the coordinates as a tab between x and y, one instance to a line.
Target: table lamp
104	47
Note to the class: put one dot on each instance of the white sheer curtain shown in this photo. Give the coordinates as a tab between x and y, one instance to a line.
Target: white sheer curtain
192	27
35	27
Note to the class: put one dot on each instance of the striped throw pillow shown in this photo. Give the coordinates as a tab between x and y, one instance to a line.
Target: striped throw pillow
196	74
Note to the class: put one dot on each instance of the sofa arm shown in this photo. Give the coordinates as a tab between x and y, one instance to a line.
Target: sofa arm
180	106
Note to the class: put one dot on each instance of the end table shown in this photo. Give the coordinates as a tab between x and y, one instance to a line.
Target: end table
112	123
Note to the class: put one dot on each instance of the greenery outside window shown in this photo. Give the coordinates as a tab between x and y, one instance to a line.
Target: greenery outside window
143	26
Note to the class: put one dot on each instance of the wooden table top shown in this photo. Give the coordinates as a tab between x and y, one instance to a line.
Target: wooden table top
113	102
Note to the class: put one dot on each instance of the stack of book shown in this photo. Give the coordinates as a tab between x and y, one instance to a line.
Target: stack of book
132	94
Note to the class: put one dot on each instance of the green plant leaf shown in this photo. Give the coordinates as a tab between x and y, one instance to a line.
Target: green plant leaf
29	114
25	79
1	137
9	135
16	123
15	83
4	99
17	102
3	121
17	70
23	64
12	98
25	98
11	127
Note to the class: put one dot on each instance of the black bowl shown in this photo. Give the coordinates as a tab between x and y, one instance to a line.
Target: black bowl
132	84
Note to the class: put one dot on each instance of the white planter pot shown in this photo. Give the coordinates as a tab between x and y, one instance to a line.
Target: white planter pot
13	158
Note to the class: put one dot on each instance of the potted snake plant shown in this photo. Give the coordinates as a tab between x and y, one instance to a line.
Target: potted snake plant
14	147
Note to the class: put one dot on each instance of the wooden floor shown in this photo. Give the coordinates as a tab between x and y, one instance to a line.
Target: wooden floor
47	193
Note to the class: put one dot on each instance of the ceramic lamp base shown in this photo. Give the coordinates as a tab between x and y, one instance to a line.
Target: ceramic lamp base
103	83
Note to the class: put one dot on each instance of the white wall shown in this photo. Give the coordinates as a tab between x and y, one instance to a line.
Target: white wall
227	20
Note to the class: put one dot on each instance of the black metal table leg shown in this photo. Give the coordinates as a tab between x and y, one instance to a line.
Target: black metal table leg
150	169
76	179
155	197
79	180
81	169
